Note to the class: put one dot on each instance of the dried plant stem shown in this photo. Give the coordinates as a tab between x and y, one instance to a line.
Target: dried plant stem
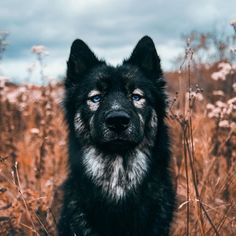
187	181
53	216
208	172
222	221
41	223
195	185
190	157
23	199
189	154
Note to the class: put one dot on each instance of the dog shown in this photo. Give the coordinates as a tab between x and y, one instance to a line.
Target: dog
119	181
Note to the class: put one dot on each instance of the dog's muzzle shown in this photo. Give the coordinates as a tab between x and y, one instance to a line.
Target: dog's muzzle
117	121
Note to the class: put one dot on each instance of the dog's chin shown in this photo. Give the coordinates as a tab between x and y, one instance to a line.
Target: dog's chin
118	145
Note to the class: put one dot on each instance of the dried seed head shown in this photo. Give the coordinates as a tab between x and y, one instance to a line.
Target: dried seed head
233	23
39	49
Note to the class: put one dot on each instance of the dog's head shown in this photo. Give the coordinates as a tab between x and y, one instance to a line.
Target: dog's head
115	108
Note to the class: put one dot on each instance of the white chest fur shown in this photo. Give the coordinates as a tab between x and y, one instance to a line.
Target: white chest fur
109	173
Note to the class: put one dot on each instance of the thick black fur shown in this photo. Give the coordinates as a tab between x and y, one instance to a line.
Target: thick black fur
146	209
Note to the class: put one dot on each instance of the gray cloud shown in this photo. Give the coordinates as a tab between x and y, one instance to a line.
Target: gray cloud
110	27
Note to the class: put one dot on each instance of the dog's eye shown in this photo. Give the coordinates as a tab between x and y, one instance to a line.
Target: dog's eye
136	97
96	98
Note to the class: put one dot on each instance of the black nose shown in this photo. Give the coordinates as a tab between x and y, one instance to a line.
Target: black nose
117	120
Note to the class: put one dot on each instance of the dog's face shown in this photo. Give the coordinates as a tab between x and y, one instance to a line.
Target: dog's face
115	108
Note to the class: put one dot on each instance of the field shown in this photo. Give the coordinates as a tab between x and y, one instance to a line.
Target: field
202	120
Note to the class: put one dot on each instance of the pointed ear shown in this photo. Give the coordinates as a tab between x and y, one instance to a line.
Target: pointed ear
81	59
146	58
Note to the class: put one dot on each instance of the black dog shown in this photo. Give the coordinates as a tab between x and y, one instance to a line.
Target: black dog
119	182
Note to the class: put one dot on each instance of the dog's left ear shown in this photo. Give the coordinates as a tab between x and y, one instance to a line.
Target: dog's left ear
81	60
146	58
82	57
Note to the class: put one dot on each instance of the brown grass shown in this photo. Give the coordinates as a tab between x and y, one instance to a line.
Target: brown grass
33	153
33	157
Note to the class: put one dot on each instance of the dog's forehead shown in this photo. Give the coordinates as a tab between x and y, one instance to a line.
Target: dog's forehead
110	76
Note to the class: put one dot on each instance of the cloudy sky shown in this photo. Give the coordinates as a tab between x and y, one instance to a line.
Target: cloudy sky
111	28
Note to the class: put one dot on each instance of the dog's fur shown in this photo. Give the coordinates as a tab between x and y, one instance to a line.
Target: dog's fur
119	182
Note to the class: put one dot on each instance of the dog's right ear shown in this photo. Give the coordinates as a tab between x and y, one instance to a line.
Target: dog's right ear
146	58
81	59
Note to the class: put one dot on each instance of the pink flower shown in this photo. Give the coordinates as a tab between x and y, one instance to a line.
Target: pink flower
224	124
234	87
232	100
225	69
233	22
220	104
3	80
39	49
210	106
34	131
218	93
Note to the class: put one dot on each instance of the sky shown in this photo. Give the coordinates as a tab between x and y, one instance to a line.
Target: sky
110	28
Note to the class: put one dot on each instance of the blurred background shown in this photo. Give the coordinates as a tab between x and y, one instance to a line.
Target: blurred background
196	41
111	28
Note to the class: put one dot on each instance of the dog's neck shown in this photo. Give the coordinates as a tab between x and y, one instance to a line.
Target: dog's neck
116	175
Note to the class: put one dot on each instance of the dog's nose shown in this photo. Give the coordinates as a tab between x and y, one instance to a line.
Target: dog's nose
117	120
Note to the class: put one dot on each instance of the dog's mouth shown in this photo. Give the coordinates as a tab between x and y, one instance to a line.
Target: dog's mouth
119	145
118	142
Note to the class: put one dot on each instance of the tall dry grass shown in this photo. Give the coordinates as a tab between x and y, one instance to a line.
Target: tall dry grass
33	156
205	154
202	118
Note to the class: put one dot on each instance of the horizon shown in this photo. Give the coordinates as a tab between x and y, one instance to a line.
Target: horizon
111	29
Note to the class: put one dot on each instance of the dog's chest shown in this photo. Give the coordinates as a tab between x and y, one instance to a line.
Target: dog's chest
112	175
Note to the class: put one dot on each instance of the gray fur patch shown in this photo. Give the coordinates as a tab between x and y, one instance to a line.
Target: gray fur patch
109	172
154	120
93	106
78	123
142	101
116	106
